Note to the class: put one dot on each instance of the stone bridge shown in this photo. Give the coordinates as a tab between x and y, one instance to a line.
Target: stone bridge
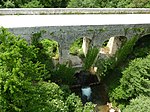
67	25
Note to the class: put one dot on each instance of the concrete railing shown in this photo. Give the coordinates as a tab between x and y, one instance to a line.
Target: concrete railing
59	11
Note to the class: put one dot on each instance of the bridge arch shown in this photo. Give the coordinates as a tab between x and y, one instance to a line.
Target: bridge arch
142	46
111	45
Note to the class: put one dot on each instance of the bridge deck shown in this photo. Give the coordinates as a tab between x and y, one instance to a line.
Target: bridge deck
13	21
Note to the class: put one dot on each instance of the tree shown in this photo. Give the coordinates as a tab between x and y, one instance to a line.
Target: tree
21	80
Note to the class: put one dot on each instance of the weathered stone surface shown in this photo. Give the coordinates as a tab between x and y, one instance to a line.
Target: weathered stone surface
85	45
114	44
66	35
51	11
71	60
97	28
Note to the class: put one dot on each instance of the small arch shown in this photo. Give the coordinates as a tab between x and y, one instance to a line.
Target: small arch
76	47
80	46
143	41
51	48
105	43
78	50
76	53
141	47
109	47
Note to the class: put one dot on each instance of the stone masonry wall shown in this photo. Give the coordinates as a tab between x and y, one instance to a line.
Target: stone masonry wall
66	35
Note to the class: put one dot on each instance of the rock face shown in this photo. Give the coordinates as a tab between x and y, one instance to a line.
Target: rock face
75	61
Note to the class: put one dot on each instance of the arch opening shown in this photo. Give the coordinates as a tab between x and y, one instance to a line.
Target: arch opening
78	50
51	48
141	47
111	46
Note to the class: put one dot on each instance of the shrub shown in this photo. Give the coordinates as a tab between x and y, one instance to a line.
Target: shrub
139	104
125	50
135	81
90	58
89	107
76	47
74	103
17	71
42	54
22	88
63	75
50	47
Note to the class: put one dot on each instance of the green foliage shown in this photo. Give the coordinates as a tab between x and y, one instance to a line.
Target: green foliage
75	3
135	81
50	47
63	75
90	58
125	50
139	104
22	88
17	56
89	107
32	4
74	103
83	4
47	97
54	3
141	49
17	71
76	47
109	3
9	4
141	52
42	55
105	65
133	3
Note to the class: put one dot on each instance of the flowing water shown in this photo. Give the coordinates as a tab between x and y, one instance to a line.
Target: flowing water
99	96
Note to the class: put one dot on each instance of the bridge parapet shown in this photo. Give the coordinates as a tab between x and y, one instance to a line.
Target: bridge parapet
60	11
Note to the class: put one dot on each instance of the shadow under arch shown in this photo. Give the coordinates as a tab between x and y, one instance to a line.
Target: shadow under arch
142	47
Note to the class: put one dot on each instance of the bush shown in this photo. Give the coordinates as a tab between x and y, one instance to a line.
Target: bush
47	97
50	47
74	103
125	50
63	75
139	104
42	54
22	88
76	47
17	71
90	58
135	81
88	107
